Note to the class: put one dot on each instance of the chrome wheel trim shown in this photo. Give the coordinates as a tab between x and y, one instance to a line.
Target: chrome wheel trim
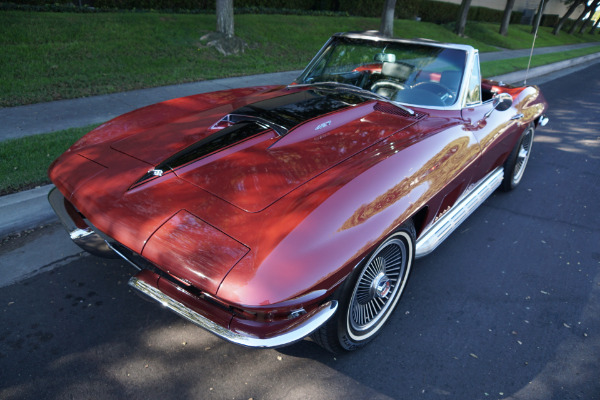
372	299
522	156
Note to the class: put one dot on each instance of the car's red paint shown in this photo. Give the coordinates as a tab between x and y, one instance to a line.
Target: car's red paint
273	224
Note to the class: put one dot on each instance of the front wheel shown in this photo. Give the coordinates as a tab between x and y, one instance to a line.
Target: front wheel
515	164
370	294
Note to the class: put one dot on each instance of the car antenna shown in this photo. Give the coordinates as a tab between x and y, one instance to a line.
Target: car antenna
533	44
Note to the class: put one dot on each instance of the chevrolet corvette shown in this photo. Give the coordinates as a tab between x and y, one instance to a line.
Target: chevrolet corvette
268	214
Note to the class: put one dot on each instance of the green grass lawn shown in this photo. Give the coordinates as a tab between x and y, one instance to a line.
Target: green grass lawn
51	56
24	161
520	37
493	68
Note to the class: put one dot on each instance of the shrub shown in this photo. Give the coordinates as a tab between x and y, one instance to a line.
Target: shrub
438	12
427	10
549	20
483	14
515	17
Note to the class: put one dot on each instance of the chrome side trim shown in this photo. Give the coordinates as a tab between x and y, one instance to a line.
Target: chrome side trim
306	325
124	257
443	227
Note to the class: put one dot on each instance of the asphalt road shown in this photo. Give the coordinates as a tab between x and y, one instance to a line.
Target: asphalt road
507	307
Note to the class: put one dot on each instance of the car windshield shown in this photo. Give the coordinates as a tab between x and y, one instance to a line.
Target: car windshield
415	74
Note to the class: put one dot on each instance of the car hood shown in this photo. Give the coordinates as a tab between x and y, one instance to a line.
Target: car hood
257	153
182	185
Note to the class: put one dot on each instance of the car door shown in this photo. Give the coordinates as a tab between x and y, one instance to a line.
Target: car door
495	130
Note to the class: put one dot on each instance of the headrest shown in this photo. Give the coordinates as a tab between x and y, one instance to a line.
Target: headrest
393	70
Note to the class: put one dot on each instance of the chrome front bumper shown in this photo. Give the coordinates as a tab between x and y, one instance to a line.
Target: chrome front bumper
80	232
299	328
85	237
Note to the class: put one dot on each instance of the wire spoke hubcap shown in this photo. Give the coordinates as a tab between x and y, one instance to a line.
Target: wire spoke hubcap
522	156
381	286
378	285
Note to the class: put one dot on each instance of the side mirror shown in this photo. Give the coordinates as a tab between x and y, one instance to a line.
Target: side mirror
501	102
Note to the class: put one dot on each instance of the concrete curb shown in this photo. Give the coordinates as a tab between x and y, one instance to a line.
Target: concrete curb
28	209
25	210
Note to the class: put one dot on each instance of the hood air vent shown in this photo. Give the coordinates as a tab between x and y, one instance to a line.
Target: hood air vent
389	108
294	109
224	138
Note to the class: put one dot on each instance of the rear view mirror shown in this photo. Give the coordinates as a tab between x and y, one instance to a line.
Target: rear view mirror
385	57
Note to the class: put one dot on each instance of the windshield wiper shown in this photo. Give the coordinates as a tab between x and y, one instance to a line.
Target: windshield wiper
355	89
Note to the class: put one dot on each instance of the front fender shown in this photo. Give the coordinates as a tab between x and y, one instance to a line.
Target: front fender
347	212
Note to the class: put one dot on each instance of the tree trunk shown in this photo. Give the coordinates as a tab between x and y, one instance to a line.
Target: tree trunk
579	19
506	17
225	17
583	25
564	18
387	18
459	29
593	29
593	8
538	16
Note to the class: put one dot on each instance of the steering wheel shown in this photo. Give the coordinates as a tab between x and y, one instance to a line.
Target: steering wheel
439	89
387	88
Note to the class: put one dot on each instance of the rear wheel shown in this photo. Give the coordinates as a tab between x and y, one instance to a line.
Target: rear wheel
515	164
370	294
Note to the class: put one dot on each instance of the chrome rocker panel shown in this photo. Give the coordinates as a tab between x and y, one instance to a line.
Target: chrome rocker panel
443	227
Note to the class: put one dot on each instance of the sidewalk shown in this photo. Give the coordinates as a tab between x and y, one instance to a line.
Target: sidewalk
21	211
54	116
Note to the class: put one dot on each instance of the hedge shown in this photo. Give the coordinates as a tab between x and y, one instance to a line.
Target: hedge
425	10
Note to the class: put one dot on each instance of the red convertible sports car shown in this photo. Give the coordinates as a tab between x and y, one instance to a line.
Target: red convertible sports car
268	214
